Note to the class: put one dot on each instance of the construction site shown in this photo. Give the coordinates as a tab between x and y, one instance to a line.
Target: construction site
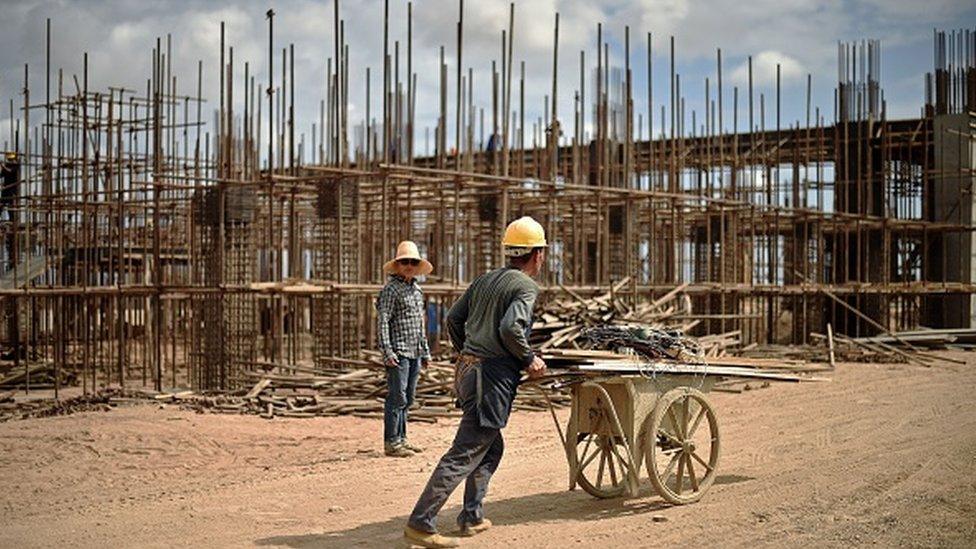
206	269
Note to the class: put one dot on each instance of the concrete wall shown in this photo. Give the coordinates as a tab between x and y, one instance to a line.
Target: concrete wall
952	201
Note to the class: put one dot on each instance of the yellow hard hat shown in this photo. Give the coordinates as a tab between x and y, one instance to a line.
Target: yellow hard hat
11	155
522	235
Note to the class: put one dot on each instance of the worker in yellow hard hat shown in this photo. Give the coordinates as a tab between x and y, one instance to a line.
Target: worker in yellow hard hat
489	327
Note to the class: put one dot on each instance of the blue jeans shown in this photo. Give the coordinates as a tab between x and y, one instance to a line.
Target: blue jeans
473	458
401	384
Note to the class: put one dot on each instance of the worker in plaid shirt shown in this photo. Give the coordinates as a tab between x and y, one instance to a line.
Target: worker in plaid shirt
403	342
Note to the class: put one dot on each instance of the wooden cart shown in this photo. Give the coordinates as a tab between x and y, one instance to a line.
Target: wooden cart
620	424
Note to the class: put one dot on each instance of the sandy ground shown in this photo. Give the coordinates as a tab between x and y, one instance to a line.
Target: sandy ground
883	454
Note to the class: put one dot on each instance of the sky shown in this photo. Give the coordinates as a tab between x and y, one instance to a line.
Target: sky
800	35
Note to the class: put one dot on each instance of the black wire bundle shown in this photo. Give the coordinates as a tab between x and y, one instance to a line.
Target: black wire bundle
651	343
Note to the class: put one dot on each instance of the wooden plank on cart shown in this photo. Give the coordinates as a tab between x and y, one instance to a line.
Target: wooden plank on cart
619	367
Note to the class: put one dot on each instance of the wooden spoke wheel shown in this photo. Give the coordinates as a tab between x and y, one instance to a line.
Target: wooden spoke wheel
601	461
681	445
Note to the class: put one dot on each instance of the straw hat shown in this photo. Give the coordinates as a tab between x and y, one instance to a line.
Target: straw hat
408	250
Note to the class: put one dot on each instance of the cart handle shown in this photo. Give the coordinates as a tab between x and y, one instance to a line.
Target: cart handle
552	410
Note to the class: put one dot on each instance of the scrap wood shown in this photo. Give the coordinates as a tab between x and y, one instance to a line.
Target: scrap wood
876	325
795	366
581	359
664	299
291	392
39	372
893	345
932	336
739	385
690	369
164	397
880	349
101	401
258	387
561	321
830	345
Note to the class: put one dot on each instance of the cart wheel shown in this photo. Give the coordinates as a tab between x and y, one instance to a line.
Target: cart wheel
681	453
601	462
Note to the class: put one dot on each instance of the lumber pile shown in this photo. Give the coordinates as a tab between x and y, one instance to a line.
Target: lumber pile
41	374
564	319
899	347
359	389
791	353
580	334
848	350
746	371
101	401
645	351
948	338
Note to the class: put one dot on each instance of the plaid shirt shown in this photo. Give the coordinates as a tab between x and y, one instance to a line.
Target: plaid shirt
400	320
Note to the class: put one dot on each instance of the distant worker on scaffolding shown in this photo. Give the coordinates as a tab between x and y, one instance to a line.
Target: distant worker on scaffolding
403	342
9	192
10	176
489	327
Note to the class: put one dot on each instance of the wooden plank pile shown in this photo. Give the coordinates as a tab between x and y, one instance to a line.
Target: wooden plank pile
563	319
948	338
562	327
102	401
746	371
726	366
41	374
898	347
358	389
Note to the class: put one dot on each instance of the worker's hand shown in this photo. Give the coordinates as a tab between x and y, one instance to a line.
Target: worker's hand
536	369
391	362
425	361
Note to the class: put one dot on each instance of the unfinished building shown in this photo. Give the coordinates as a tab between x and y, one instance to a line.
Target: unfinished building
143	246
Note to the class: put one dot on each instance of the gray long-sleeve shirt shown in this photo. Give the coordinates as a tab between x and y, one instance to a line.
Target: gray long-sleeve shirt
491	318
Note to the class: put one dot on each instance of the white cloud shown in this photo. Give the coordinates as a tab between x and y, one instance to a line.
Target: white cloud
764	70
801	35
931	10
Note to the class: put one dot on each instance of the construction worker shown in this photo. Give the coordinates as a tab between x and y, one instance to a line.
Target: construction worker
10	177
489	327
403	342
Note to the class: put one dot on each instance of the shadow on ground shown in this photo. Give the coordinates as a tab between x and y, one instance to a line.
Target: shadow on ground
731	479
540	508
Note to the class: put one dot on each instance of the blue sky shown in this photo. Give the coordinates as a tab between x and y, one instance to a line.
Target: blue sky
802	35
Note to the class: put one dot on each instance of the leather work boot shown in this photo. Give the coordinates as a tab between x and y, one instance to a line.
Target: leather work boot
431	541
412	447
397	450
468	530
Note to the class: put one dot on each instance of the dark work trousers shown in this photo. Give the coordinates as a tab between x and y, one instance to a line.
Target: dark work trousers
474	455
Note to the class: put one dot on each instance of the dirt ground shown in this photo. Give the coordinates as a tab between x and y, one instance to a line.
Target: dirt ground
883	454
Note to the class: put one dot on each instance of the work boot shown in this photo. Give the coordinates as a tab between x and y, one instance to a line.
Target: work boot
397	450
431	541
412	447
468	530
